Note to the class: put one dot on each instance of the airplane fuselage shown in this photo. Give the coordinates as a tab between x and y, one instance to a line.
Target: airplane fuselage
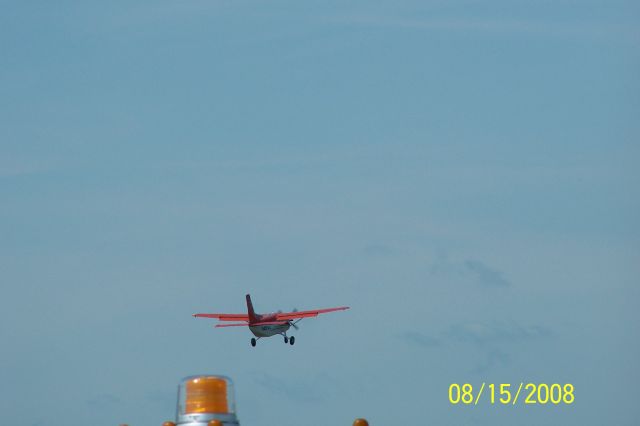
269	330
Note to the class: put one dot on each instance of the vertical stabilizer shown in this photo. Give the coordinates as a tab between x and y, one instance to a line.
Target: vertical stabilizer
250	311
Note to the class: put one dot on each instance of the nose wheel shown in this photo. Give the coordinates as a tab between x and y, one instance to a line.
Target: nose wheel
253	341
292	340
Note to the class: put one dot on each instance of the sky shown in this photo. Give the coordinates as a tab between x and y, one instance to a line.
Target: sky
463	174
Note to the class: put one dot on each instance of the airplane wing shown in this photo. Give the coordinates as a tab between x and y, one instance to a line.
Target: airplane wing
307	314
224	317
239	324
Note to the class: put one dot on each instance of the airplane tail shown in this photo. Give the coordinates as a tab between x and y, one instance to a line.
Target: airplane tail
250	311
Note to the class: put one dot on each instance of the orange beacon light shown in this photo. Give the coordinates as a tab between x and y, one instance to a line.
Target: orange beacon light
206	398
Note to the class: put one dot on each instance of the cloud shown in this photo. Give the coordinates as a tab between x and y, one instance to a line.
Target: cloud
105	400
10	168
162	397
420	339
480	272
494	359
509	26
306	391
481	333
485	275
377	250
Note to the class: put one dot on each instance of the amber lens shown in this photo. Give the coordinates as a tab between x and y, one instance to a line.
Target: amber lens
206	395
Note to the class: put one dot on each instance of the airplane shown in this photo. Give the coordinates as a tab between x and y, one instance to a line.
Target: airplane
267	325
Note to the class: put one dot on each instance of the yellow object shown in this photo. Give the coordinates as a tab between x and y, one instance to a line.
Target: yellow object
360	422
168	424
206	395
215	423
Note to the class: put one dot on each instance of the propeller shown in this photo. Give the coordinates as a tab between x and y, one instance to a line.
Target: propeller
293	323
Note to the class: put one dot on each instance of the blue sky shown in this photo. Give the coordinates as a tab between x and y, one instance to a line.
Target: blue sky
463	174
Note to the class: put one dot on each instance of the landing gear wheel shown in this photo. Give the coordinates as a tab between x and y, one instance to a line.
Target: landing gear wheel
286	340
253	342
292	340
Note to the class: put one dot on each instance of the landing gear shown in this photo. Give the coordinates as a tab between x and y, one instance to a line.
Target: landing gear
292	340
286	340
253	341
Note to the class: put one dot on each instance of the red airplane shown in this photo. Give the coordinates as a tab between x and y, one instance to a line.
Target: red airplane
268	325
